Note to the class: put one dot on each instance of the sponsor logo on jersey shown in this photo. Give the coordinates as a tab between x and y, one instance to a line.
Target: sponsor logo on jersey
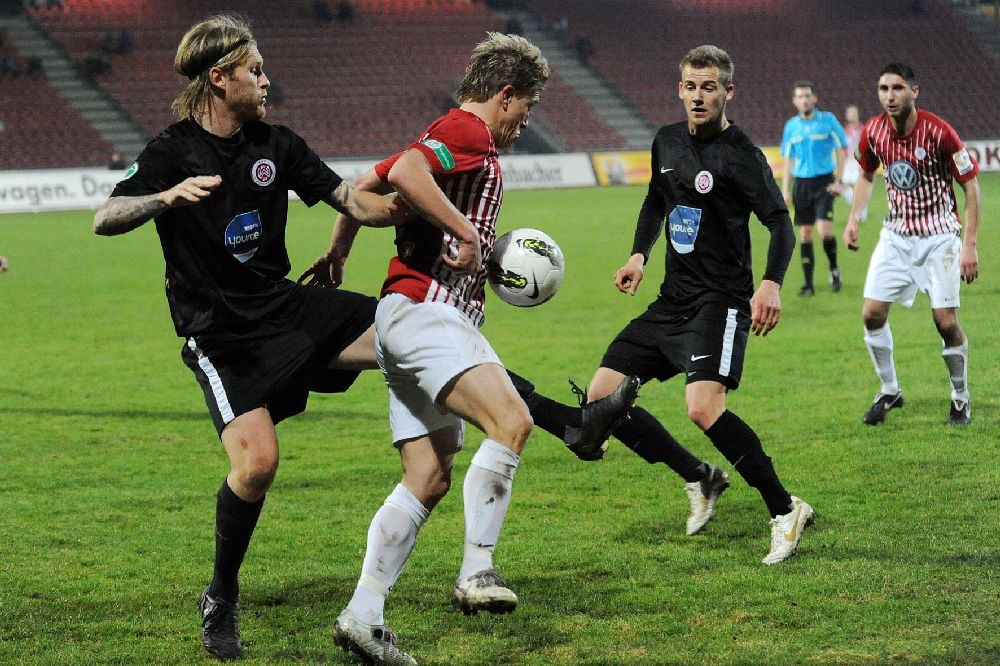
903	175
704	182
683	224
132	170
243	234
963	162
263	172
443	154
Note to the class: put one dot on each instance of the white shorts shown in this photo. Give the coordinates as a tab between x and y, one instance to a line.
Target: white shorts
421	348
900	265
852	171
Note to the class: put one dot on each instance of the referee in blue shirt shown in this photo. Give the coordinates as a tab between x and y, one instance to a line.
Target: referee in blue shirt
813	145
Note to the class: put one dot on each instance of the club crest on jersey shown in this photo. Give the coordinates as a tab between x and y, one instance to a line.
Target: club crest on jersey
704	182
684	223
263	172
963	162
903	175
920	153
443	154
243	234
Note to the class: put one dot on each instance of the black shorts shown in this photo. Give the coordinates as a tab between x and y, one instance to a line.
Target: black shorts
277	360
811	200
659	344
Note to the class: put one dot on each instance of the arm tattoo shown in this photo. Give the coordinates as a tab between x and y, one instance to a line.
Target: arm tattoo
121	214
341	196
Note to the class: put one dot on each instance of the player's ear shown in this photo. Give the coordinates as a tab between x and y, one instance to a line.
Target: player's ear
507	94
217	77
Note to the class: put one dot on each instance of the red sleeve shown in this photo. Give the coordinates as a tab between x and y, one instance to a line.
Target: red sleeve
961	164
865	155
455	144
382	168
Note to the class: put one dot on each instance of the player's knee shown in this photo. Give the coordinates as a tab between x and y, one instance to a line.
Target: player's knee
256	472
262	473
704	413
521	425
873	319
435	490
514	428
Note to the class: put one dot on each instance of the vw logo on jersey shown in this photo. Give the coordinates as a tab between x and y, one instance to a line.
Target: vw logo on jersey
903	175
684	223
262	172
703	182
243	235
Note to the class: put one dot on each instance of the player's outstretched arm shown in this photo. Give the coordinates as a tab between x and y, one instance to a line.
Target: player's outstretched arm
328	269
121	214
366	205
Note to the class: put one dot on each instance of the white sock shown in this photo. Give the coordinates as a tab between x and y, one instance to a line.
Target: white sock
486	492
880	349
957	360
391	537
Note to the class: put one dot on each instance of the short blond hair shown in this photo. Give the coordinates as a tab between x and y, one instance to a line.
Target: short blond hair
708	55
501	60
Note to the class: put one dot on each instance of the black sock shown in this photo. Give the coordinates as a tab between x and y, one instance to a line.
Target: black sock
642	433
808	259
830	247
740	445
235	521
551	416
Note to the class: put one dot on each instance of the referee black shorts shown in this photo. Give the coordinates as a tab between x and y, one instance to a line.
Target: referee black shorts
275	361
811	200
659	344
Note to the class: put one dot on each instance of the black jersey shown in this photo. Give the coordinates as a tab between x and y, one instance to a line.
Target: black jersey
226	259
705	190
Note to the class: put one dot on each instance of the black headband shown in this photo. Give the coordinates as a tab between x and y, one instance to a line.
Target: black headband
208	59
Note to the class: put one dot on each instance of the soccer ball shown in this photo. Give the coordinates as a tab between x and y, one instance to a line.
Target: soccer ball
526	267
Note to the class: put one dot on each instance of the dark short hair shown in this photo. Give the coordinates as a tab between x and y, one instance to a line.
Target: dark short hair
804	83
902	70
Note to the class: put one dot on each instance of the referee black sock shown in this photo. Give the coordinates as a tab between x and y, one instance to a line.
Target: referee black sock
740	445
235	521
642	433
830	247
808	261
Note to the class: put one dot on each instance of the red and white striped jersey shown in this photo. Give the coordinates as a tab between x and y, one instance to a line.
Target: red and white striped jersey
918	168
463	157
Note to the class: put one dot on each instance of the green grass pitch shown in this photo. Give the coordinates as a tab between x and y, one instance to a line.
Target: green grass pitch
109	466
